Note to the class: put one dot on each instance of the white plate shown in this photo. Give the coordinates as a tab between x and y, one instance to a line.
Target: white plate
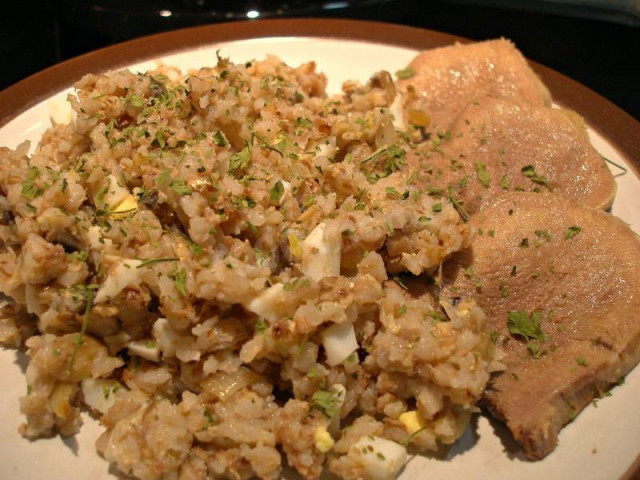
602	442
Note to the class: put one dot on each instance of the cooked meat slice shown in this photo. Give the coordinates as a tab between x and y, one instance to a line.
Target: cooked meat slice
559	284
445	80
499	145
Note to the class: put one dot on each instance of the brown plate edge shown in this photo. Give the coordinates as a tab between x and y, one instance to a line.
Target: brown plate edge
622	130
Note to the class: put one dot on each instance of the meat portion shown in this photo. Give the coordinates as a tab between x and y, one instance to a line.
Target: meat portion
497	146
560	287
443	81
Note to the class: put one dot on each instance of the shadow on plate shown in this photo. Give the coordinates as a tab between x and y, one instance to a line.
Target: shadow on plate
21	359
509	444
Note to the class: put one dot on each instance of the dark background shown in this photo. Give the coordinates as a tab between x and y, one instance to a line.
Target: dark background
597	46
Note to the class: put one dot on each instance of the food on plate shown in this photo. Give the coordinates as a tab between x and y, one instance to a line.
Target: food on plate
234	271
559	284
496	146
214	265
439	83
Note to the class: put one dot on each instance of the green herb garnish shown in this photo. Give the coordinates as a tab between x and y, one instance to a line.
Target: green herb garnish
529	171
29	190
240	159
572	232
276	192
153	261
179	186
482	174
405	73
180	280
327	402
220	139
520	323
79	339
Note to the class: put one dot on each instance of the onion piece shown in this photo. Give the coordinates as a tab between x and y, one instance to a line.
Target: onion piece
224	384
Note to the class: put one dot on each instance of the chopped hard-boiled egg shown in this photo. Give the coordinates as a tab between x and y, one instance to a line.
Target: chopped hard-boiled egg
269	303
125	274
412	421
321	251
60	111
323	440
295	245
127	205
99	393
167	339
112	194
339	341
31	296
96	240
380	458
327	148
147	349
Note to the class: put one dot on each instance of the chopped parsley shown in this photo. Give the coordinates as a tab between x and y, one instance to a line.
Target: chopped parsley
261	326
29	190
457	204
482	174
220	139
209	419
303	122
520	323
391	191
385	161
160	140
153	261
276	192
79	338
327	401
534	348
529	171
405	73
240	159
136	100
572	232
436	317
179	278
179	186
544	234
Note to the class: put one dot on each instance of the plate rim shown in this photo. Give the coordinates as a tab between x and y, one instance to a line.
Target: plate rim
620	128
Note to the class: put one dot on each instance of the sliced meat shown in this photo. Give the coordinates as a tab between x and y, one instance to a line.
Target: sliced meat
497	146
445	80
559	284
